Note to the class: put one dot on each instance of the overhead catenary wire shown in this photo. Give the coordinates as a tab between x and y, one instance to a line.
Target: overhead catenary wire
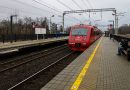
64	4
71	17
31	13
54	9
85	4
26	4
89	3
49	4
76	4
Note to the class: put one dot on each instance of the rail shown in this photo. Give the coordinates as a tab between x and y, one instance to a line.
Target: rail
35	74
34	56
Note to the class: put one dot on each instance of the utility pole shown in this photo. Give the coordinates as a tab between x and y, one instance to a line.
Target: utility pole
51	23
11	27
117	22
63	22
116	31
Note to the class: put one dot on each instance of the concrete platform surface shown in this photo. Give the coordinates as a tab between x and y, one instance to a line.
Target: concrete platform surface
22	44
107	71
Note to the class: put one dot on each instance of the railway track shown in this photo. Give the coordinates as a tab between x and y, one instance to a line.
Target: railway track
28	58
15	74
50	71
29	55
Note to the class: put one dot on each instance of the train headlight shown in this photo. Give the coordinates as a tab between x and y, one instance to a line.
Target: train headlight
83	43
71	43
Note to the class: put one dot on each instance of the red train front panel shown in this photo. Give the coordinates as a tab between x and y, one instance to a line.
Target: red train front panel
79	38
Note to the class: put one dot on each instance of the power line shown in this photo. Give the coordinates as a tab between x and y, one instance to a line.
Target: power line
62	12
89	3
64	4
76	4
85	4
26	4
53	9
20	10
47	6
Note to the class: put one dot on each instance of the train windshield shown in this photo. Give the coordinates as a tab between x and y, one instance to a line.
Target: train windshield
79	32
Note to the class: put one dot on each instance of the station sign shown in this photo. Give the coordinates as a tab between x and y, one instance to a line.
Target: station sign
40	30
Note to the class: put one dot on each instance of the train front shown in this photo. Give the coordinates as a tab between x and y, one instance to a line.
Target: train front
78	39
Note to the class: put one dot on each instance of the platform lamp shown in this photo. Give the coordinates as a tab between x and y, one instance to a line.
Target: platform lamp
11	27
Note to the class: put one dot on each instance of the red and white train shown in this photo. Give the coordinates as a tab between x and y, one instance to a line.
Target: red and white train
82	36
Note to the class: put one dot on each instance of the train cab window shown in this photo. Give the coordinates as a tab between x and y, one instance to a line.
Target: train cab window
79	32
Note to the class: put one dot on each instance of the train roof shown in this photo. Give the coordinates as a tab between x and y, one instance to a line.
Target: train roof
82	25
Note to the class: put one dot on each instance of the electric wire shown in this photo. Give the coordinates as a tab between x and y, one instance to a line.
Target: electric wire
85	4
31	13
54	9
47	6
64	4
26	4
89	3
76	4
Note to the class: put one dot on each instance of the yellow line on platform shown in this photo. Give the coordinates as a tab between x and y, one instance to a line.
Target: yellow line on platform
79	79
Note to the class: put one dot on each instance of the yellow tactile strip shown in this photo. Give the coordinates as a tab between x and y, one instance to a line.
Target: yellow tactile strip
79	79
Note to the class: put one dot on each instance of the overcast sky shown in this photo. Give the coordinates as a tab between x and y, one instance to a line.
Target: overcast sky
36	8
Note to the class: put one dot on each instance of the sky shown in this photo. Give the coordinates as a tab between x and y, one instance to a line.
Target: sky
47	8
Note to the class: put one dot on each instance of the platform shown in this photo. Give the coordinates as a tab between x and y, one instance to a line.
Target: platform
106	71
30	43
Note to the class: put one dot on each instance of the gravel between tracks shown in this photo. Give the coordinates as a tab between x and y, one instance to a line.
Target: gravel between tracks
10	78
37	82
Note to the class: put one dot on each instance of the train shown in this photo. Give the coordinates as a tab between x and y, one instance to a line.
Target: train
82	36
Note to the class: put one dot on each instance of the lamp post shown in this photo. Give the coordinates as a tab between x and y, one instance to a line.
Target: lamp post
11	27
116	20
50	23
